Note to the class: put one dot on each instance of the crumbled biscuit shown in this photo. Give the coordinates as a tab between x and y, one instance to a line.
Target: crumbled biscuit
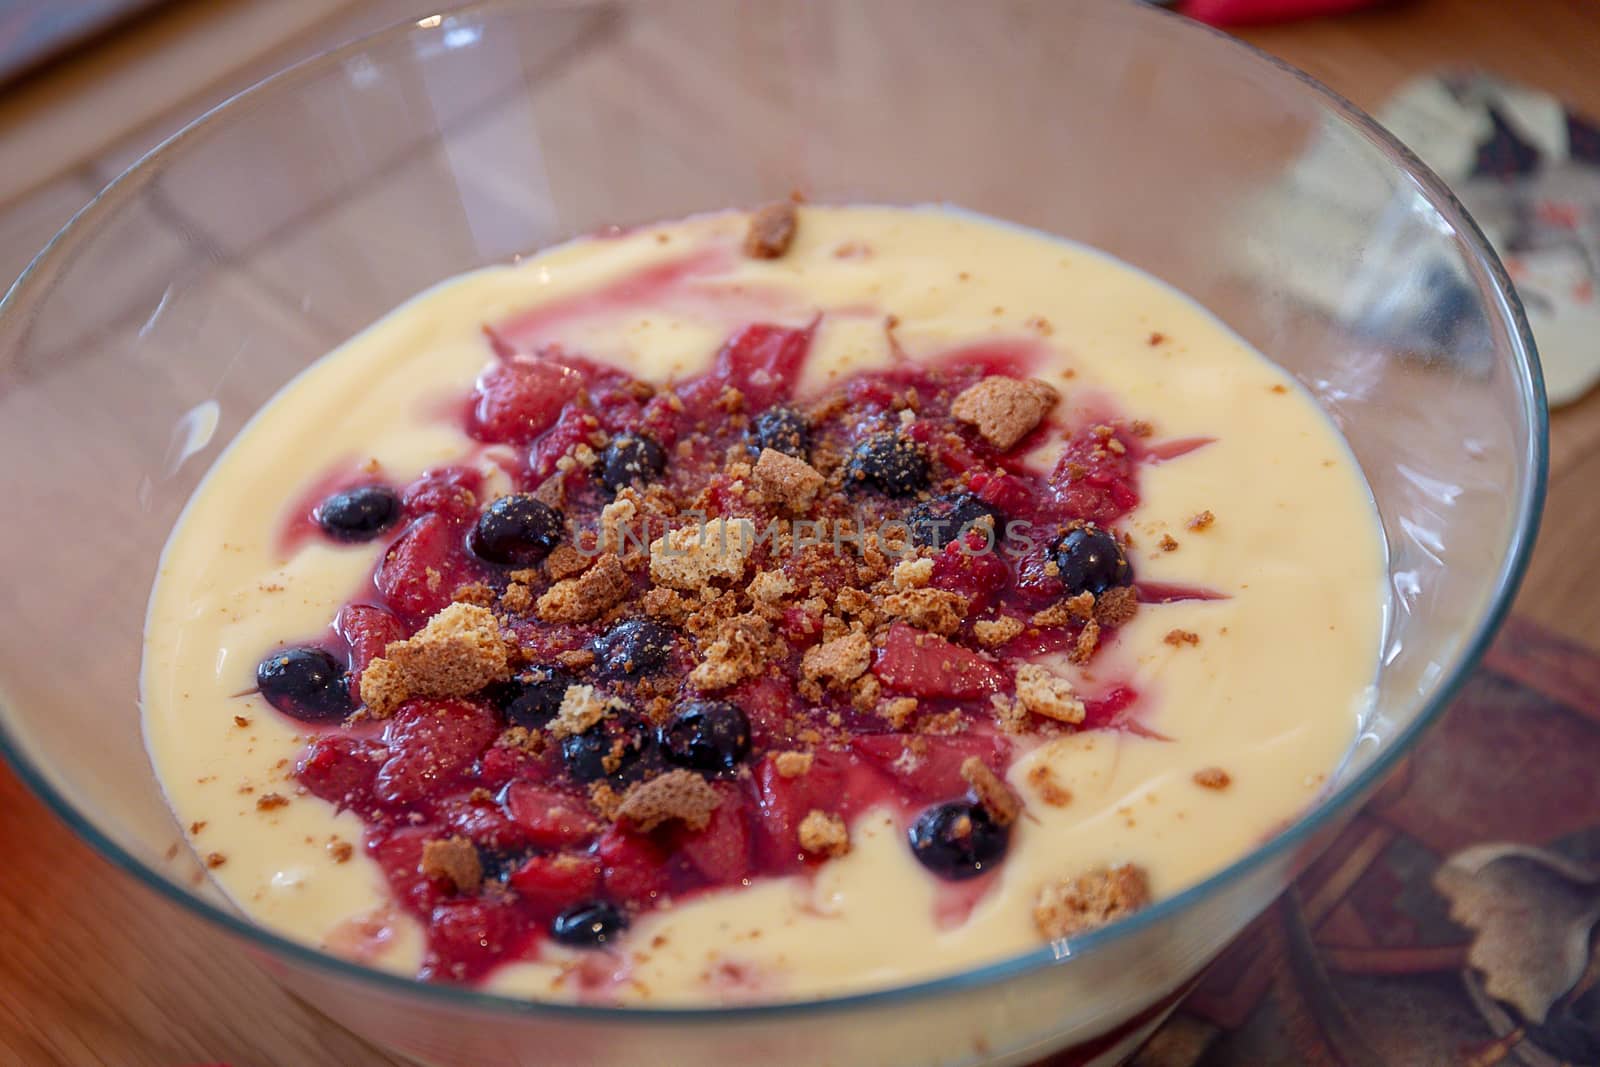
667	604
604	800
1092	899
772	230
992	633
913	573
741	649
457	653
473	593
617	527
241	721
1043	693
576	659
1009	713
991	790
1175	638
1043	780
680	794
770	587
1073	609
1213	778
899	711
268	801
565	561
823	834
588	596
581	708
935	610
838	662
1116	606
1168	543
1156	337
341	851
1201	521
517	598
691	557
215	860
1088	640
792	764
455	860
1004	410
786	482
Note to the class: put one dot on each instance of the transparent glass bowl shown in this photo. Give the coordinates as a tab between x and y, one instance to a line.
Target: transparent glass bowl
177	302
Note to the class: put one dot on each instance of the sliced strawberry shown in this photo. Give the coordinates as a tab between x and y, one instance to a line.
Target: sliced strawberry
924	665
484	823
450	491
422	568
514	402
928	768
763	362
368	630
1094	482
399	855
633	868
548	884
971	567
573	428
550	819
836	783
720	852
470	935
341	770
433	744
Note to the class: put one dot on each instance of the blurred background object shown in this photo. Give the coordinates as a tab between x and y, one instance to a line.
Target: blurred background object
32	31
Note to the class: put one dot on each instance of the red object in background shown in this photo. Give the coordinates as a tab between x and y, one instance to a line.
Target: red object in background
1238	12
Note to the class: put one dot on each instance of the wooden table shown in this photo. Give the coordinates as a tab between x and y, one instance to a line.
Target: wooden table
89	976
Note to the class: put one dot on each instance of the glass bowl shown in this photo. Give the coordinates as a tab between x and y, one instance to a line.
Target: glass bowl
174	305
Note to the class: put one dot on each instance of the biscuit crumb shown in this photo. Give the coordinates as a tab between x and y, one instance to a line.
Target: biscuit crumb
1045	694
935	610
576	659
1116	606
588	596
1168	543
913	573
268	801
838	662
457	653
1009	713
1004	410
580	709
822	834
1202	521
341	851
215	860
772	230
1156	338
455	860
240	721
1213	778
691	557
1176	638
473	593
680	794
1052	792
1088	641
996	632
1092	899
770	587
740	650
792	764
899	711
787	483
604	800
565	561
991	790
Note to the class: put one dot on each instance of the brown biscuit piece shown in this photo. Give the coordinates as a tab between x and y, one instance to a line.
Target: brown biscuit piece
588	596
565	561
839	662
1005	410
1045	694
460	651
823	834
1092	899
792	764
681	795
1116	606
772	230
581	708
787	483
991	790
1052	792
455	860
992	633
1212	778
740	650
935	610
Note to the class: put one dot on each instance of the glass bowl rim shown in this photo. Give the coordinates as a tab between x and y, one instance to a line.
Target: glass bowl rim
1530	381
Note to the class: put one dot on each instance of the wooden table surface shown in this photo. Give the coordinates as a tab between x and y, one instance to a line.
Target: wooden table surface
91	974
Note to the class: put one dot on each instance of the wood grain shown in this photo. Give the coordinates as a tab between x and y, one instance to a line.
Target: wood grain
96	970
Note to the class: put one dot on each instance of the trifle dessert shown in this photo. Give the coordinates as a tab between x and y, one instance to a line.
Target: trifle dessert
760	606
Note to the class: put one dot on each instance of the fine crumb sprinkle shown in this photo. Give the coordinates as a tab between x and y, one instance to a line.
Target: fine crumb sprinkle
913	573
691	557
680	794
935	610
1176	638
1156	337
196	826
824	834
460	651
786	482
840	661
996	632
1043	780
454	859
1092	899
215	860
241	721
341	851
588	596
269	801
792	764
1213	778
1004	410
1045	694
740	650
1168	543
1202	521
991	790
581	708
772	230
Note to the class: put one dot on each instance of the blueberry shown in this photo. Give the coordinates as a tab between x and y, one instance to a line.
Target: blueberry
958	840
630	458
617	748
632	649
707	735
1090	560
783	430
358	514
891	463
516	530
532	698
499	865
588	925
943	519
306	684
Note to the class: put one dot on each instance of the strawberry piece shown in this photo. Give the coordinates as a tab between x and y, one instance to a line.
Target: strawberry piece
341	770
450	491
516	401
930	768
573	428
500	765
763	362
433	745
399	855
836	783
971	567
923	665
720	852
470	935
368	630
422	568
1096	483
633	868
485	824
548	884
550	819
